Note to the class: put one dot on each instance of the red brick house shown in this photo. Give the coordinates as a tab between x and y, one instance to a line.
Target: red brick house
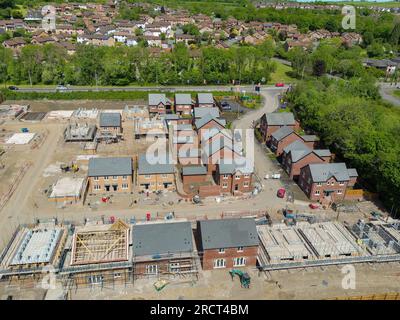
163	248
284	136
159	104
297	155
271	122
183	103
227	243
326	181
184	135
233	178
192	175
209	122
220	149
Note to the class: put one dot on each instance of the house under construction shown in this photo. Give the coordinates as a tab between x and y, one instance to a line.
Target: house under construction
80	132
32	251
97	255
164	249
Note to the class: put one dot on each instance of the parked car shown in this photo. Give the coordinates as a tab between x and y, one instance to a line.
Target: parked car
225	105
13	88
314	205
61	88
279	84
281	193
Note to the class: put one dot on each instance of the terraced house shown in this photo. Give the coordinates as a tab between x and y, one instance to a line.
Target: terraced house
110	175
155	175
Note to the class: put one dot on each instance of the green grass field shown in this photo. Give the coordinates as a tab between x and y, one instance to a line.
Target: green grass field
281	74
396	93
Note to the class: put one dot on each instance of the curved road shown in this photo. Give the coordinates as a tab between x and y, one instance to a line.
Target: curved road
386	90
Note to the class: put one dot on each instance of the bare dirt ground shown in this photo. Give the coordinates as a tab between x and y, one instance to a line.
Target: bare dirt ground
49	105
307	284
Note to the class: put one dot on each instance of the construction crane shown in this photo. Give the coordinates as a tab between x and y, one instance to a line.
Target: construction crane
243	276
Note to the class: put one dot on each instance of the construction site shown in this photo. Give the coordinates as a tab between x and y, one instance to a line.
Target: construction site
31	249
326	243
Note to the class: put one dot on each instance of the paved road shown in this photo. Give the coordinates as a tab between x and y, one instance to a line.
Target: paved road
247	88
386	90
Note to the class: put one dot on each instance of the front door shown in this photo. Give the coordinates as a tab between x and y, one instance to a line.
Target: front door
236	187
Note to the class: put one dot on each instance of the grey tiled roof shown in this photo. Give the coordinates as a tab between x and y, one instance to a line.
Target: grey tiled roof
228	233
121	166
323	152
352	172
280	119
241	164
110	119
156	98
321	172
282	133
194	170
205	98
149	165
201	112
199	123
183	98
296	145
310	137
161	238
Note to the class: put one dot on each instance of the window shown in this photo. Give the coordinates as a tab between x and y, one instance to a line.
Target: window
328	183
106	178
124	177
317	192
222	250
117	275
341	183
246	175
224	185
152	269
95	279
339	192
246	184
96	187
237	177
174	267
96	178
319	184
147	176
124	186
240	249
219	263
115	177
238	262
225	176
163	176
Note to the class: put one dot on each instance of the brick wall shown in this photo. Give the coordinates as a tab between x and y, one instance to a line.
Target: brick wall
103	182
209	256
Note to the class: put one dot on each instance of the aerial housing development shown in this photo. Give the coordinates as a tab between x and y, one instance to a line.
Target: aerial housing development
185	151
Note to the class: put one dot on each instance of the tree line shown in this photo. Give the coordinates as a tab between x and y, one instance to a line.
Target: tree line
121	65
357	126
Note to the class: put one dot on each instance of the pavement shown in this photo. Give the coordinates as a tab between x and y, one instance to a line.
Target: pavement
386	91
